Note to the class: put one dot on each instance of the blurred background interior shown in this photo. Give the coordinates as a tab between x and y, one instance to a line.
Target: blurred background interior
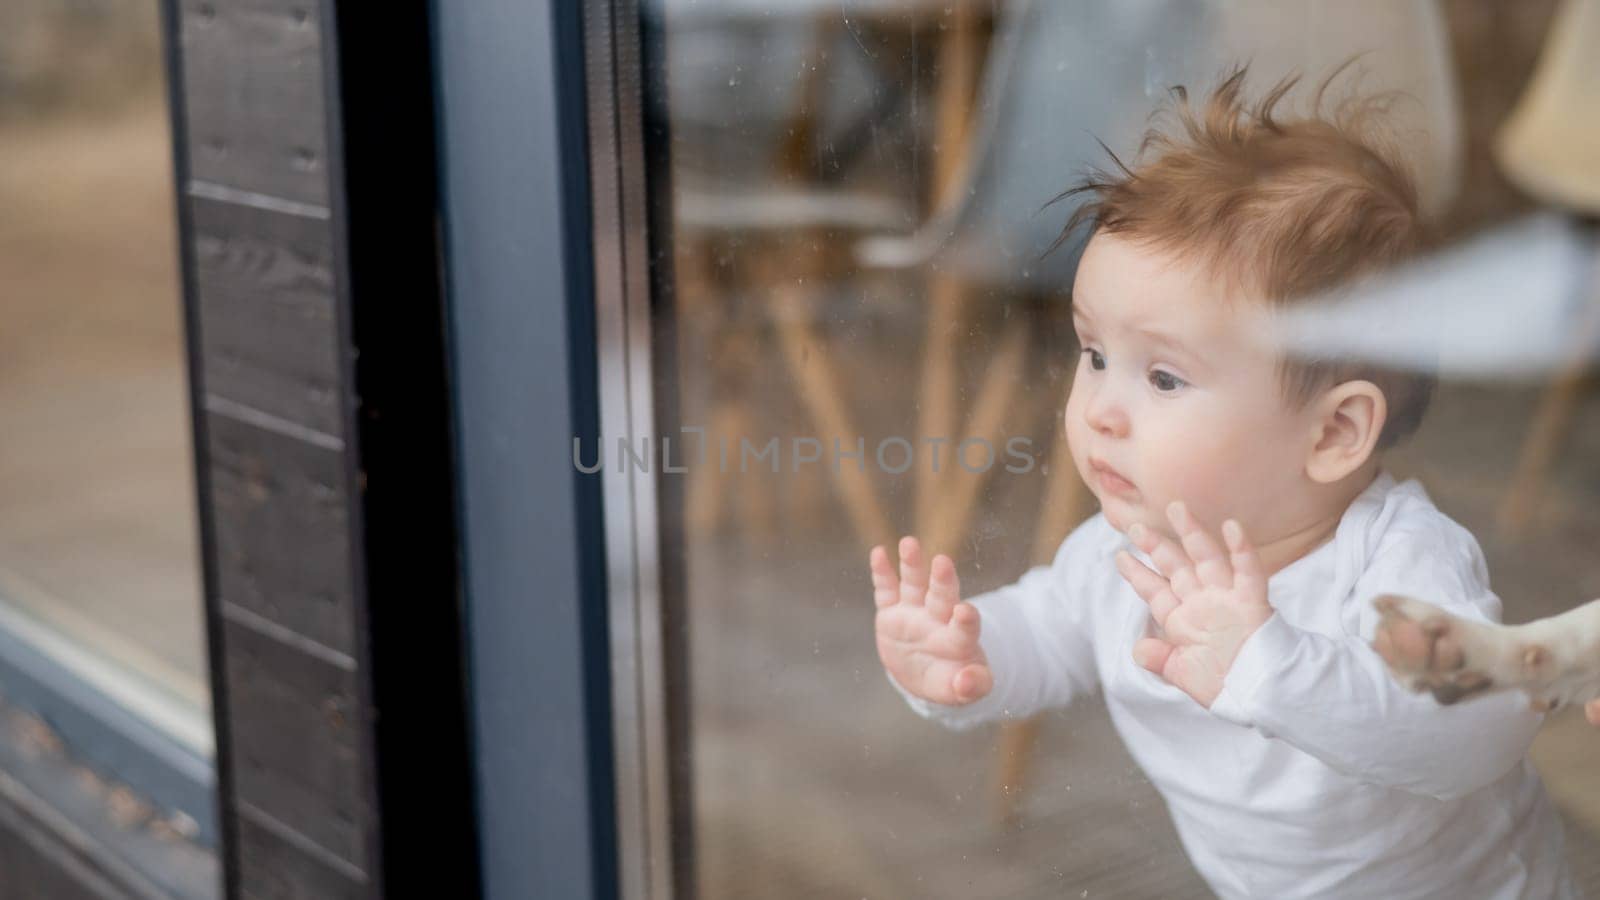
855	225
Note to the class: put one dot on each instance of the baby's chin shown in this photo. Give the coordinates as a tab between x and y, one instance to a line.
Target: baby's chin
1122	515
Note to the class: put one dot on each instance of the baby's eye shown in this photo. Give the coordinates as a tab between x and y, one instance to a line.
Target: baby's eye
1165	382
1097	360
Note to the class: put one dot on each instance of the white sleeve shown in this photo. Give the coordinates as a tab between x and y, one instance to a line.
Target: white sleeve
1333	697
1036	635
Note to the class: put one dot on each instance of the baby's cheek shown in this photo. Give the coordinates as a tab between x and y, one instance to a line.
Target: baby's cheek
1077	438
1209	474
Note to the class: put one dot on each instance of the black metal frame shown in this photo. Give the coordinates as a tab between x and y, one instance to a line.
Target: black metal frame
523	363
406	465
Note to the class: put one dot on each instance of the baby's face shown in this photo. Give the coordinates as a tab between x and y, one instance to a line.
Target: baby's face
1174	399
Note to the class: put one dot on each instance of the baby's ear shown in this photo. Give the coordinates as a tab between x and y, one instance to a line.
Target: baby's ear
1349	420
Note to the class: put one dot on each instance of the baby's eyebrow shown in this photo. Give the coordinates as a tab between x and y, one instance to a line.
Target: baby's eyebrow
1154	335
1182	348
1161	337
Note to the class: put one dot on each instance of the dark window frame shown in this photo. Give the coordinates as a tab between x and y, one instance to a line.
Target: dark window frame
519	236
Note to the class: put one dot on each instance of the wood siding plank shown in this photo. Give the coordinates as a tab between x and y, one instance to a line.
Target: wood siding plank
282	525
254	88
268	311
296	753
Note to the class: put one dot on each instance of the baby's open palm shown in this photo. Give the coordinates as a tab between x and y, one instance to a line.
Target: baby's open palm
927	637
1208	599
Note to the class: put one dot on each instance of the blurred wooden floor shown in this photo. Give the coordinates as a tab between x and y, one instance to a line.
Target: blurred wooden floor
97	511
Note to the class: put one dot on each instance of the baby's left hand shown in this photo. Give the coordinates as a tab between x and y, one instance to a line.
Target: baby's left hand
1207	601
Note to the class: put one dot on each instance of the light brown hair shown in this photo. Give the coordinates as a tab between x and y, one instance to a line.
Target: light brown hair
1292	207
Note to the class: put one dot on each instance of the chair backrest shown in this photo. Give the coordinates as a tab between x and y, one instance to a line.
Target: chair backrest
743	78
1547	147
1071	73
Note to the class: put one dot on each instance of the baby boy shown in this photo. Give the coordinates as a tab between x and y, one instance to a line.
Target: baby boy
1222	600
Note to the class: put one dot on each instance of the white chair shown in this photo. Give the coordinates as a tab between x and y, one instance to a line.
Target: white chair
753	91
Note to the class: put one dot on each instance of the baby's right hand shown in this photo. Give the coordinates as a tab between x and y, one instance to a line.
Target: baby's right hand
927	637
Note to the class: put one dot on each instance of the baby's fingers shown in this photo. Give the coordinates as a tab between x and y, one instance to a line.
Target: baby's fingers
885	586
972	683
1169	558
1210	564
944	589
1153	654
965	618
1150	587
1593	712
957	642
1247	571
913	574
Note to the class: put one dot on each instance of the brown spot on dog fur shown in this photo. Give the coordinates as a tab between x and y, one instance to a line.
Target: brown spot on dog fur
1534	657
1460	689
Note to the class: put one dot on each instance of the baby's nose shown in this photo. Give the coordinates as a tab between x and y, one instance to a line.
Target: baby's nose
1107	416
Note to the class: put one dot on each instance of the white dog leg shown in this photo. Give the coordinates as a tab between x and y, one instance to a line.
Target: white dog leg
1556	661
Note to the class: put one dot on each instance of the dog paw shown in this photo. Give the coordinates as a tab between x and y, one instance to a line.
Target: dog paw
1428	649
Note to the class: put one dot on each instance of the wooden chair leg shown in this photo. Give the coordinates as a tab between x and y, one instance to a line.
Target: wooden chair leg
807	492
1550	425
937	407
703	503
963	488
1067	499
735	356
757	489
1066	503
1015	751
812	372
936	400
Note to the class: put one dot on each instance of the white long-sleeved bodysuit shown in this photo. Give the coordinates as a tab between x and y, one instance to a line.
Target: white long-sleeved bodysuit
1314	774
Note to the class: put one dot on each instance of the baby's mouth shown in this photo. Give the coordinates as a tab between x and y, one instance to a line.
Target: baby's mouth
1112	481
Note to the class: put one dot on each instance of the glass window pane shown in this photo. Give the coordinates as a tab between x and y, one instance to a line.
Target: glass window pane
864	335
99	560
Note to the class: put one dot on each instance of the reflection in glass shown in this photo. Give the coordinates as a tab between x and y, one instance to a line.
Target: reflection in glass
857	215
98	545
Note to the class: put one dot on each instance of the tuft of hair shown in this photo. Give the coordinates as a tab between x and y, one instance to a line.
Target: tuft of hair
1288	206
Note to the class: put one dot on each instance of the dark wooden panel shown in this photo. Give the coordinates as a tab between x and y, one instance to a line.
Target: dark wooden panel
253	88
263	253
282	534
285	544
267	306
273	869
294	741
